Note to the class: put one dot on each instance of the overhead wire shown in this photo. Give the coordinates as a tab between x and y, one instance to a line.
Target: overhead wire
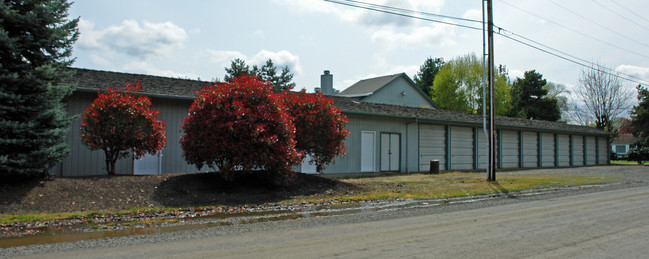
502	32
630	10
598	24
619	15
576	31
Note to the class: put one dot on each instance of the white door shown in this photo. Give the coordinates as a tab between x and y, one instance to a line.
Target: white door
308	167
148	164
367	151
389	152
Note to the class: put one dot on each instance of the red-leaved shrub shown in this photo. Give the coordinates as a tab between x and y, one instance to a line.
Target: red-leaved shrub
240	126
120	122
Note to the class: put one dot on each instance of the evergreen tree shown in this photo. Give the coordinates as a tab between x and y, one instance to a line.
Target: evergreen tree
267	72
640	118
426	74
35	46
530	100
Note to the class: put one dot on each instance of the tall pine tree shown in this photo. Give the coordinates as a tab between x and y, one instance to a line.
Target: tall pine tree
530	100
36	40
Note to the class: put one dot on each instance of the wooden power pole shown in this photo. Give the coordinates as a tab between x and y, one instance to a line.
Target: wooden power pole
491	170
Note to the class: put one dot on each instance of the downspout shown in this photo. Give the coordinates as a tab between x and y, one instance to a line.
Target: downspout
484	91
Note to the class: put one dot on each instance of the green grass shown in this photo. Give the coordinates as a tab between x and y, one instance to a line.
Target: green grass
414	186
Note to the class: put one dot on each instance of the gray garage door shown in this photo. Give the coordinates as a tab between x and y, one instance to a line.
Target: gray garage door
461	148
578	150
603	150
530	149
547	145
563	146
509	148
591	151
432	146
482	148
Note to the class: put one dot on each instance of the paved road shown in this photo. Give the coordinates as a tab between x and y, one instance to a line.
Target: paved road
598	224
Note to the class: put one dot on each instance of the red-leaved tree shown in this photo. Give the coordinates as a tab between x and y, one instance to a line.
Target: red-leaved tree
240	125
119	122
320	126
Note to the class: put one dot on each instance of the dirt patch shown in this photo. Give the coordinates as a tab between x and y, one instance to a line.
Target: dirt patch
177	190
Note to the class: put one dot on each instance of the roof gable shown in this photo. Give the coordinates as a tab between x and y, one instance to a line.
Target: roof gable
367	88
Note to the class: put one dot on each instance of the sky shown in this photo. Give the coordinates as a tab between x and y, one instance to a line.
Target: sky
197	39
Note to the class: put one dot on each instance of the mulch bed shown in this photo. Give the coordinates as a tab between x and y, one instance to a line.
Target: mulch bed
175	190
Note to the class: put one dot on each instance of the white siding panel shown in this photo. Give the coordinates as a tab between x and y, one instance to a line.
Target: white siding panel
547	147
591	151
510	149
530	149
578	150
563	149
432	146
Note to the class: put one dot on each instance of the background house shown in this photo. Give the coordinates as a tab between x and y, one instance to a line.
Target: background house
385	135
622	144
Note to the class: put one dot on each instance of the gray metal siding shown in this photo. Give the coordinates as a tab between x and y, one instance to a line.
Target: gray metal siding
461	148
530	149
351	163
510	148
591	151
578	150
432	146
547	147
82	161
603	150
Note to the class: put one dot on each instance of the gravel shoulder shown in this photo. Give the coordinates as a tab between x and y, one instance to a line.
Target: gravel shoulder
630	176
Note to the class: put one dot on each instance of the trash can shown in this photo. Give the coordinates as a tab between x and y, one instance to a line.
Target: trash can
434	167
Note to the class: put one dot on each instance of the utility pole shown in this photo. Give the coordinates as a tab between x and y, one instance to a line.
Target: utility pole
491	170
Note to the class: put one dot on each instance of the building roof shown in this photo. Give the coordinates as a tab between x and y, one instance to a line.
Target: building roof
96	80
368	86
624	139
165	87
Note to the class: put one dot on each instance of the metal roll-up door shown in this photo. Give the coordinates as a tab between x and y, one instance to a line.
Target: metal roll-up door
563	148
432	146
578	150
591	151
509	148
461	148
530	149
483	155
547	149
603	150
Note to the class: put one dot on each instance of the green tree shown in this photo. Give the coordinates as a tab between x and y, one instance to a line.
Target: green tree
237	68
458	86
640	117
530	100
36	40
426	74
267	72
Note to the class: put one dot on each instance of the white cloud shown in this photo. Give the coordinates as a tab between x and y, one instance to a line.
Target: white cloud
439	35
280	58
132	38
474	14
515	73
641	72
361	16
147	68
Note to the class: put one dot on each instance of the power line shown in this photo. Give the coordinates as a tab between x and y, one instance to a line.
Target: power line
411	11
348	3
562	55
621	16
598	24
630	10
576	31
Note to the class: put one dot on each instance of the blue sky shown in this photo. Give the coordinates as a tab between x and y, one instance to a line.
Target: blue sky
197	39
